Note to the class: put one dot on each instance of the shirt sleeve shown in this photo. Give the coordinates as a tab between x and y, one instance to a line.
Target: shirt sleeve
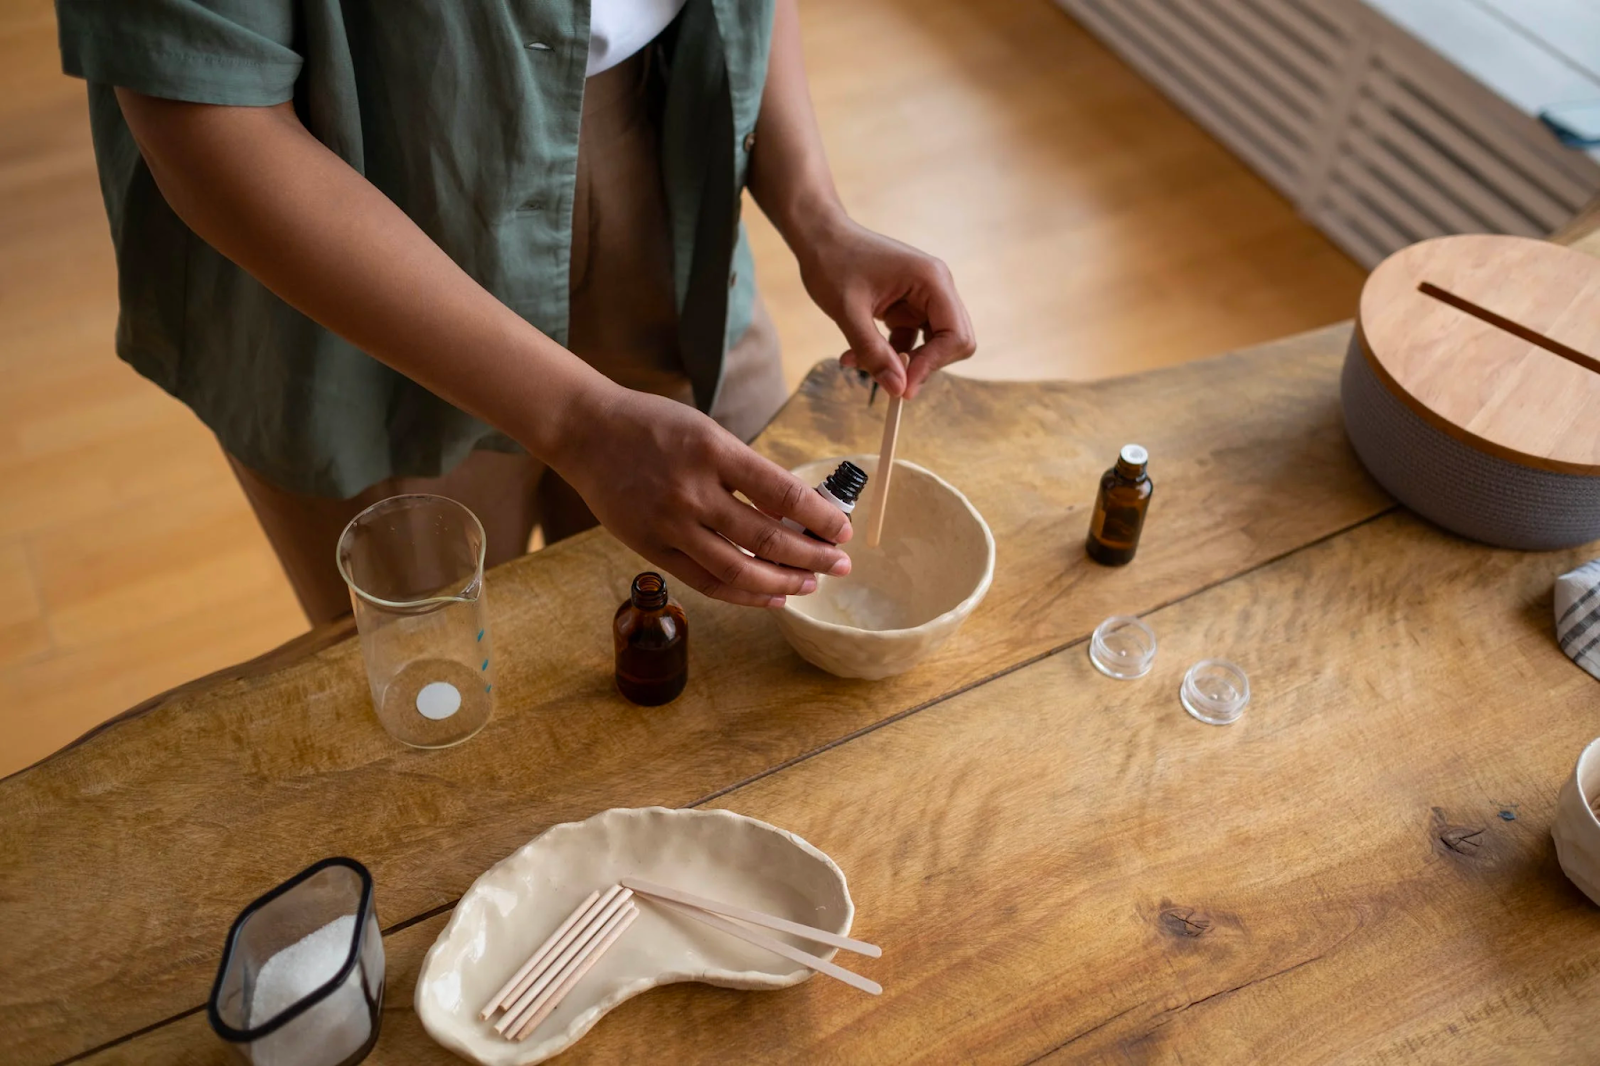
236	52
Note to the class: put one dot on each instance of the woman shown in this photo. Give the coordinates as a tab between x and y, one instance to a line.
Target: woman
355	235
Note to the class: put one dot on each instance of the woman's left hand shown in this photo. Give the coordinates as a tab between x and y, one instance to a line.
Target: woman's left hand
860	278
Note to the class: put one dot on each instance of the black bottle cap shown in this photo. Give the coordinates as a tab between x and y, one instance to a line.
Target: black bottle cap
846	482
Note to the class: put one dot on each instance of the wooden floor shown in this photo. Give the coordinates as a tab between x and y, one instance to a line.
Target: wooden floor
1093	231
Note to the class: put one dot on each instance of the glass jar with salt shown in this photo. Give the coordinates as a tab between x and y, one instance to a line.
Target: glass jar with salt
301	980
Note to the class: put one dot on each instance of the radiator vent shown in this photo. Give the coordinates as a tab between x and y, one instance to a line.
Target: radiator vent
1377	140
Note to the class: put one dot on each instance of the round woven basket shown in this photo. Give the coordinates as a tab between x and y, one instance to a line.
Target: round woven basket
1464	490
1458	414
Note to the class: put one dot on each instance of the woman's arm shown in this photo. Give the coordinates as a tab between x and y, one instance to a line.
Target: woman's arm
255	184
853	274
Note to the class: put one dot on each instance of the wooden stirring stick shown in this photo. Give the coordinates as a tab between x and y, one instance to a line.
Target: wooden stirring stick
529	967
541	961
880	501
585	934
580	966
744	914
774	945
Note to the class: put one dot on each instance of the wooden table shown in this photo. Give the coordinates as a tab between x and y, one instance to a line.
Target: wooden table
1058	865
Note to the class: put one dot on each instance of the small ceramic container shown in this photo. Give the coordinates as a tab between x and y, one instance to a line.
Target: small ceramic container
518	902
906	597
1576	829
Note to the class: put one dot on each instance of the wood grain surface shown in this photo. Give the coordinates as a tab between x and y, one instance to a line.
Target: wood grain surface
123	860
1062	867
1057	864
1502	350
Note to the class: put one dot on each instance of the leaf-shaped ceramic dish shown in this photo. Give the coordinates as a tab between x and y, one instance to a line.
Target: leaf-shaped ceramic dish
510	909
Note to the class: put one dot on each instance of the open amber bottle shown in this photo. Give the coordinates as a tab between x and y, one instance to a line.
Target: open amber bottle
651	635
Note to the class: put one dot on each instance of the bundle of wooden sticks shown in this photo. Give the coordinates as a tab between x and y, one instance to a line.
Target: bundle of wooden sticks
535	990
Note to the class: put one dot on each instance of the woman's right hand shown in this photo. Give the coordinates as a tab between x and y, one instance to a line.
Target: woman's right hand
661	477
256	185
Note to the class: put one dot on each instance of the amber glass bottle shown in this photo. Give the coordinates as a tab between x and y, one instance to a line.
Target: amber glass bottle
651	636
1119	509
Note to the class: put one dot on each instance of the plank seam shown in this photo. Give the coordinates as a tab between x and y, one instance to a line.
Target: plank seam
1023	664
837	742
125	1037
1075	1037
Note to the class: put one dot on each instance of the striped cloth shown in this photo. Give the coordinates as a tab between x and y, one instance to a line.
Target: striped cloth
1578	615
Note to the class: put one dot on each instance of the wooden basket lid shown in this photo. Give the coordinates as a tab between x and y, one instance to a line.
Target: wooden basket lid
1495	341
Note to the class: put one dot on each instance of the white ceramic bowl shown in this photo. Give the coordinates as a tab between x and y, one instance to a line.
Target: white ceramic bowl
510	910
1576	829
906	597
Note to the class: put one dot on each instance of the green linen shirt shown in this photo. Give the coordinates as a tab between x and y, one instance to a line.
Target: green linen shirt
465	113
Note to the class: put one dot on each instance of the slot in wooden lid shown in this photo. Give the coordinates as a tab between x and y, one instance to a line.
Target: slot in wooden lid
1495	341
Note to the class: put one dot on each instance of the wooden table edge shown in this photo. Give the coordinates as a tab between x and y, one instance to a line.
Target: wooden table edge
294	650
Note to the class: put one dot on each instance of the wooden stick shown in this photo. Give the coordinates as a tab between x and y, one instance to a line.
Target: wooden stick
533	960
583	922
580	966
885	471
769	921
519	1010
762	940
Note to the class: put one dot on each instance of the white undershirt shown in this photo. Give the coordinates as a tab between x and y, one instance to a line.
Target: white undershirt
618	29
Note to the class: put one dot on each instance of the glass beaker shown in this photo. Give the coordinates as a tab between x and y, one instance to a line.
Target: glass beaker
301	980
414	565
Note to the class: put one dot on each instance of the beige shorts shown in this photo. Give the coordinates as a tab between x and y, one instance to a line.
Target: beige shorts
623	322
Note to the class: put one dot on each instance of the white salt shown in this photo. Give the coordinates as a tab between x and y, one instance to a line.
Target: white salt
330	1031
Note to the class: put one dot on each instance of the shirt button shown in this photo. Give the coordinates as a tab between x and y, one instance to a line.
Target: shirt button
733	279
750	141
538	46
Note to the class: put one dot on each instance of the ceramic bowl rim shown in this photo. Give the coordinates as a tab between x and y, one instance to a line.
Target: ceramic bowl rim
964	607
1590	752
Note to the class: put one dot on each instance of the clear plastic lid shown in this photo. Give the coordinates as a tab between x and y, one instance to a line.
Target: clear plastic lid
1122	647
1215	691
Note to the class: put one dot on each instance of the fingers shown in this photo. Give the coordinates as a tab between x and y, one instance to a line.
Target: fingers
869	350
700	579
749	528
903	338
778	492
947	334
930	305
729	569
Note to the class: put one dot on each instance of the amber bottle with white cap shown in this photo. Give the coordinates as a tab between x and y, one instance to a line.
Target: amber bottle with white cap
1120	508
